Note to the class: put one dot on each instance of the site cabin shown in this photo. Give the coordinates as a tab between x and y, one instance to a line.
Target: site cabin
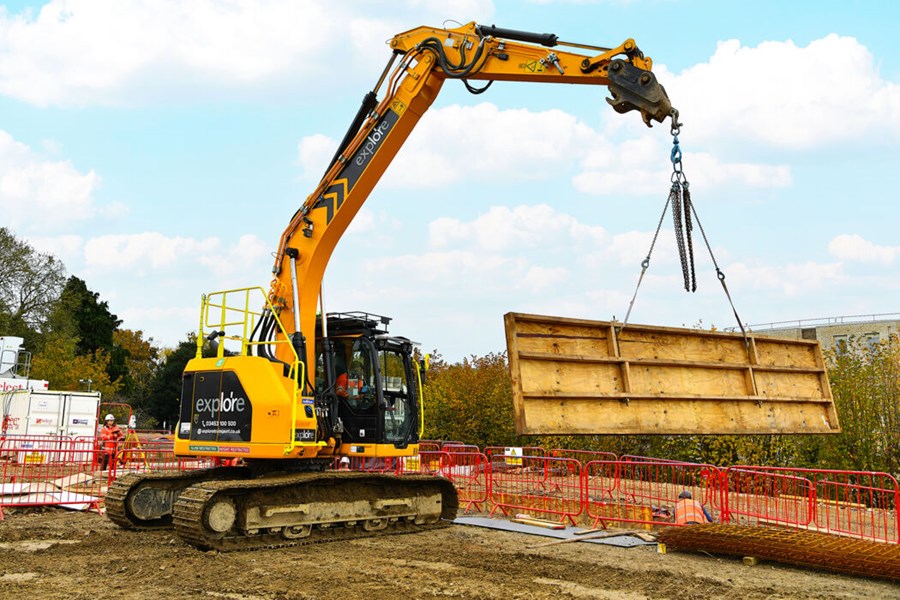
49	413
573	376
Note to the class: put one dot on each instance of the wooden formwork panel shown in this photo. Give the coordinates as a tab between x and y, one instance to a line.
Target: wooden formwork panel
573	376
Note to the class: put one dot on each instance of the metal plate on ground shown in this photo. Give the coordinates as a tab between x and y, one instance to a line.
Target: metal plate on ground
623	541
573	376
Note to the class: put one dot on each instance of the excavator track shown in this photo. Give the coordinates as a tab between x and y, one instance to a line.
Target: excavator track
144	501
308	508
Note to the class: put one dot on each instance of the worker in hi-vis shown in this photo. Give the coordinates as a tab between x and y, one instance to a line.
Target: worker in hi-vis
690	512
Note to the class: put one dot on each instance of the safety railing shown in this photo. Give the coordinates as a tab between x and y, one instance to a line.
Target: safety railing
51	476
154	457
454	447
540	484
513	451
60	470
470	473
582	456
429	445
646	492
859	504
366	464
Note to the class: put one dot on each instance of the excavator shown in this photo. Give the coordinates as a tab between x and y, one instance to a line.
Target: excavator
292	389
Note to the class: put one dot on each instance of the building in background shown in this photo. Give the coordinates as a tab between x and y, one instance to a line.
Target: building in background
836	332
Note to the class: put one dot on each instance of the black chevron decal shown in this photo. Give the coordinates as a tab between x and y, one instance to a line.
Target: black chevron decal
333	198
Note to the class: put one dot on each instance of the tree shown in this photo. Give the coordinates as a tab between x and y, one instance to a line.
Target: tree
59	363
865	383
164	399
471	402
30	285
81	314
93	323
142	359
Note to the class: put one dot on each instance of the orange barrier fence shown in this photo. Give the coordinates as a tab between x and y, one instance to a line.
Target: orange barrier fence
65	471
513	451
860	504
40	476
536	484
646	492
568	485
152	457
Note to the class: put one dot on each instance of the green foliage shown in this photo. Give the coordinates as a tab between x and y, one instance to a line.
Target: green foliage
865	382
89	317
165	391
471	402
60	364
164	398
30	285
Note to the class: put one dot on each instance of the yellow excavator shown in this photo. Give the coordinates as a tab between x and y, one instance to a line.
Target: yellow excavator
292	388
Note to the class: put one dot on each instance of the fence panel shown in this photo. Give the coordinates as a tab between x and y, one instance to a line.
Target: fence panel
429	445
153	457
367	464
455	447
860	504
537	484
470	474
583	456
52	476
645	492
19	447
757	497
490	451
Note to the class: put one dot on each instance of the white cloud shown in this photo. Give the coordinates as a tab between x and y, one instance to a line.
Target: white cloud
74	52
445	268
485	142
543	278
61	246
520	145
854	248
794	280
639	166
158	252
313	154
40	195
503	228
786	95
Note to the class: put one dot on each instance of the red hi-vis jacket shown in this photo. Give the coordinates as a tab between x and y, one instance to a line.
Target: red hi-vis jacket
111	436
689	512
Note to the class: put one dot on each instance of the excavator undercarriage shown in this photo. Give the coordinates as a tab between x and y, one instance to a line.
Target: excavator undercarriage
225	509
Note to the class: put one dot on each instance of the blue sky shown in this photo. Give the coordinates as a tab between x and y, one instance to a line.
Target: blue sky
159	149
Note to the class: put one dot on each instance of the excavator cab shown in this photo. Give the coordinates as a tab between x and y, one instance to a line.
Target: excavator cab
371	379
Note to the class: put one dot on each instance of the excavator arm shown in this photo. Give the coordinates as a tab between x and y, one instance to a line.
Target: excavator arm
423	59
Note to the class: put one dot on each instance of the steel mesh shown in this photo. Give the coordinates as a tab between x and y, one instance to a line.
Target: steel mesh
793	547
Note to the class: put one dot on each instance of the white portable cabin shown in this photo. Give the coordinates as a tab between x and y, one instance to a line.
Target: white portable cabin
46	413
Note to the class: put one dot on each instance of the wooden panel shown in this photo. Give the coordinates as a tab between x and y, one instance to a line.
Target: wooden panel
574	376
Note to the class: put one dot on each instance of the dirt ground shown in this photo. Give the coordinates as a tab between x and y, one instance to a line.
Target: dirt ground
53	553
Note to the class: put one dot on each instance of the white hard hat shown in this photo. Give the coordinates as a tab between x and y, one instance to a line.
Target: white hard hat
109	417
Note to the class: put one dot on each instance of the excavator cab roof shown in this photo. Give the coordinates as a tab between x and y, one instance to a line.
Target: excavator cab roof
354	323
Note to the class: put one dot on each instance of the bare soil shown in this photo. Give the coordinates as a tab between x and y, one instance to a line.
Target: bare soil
53	553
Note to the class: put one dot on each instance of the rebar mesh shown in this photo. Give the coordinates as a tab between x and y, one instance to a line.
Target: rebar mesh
792	547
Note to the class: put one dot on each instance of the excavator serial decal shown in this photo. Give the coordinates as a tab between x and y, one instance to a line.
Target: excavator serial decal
332	199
